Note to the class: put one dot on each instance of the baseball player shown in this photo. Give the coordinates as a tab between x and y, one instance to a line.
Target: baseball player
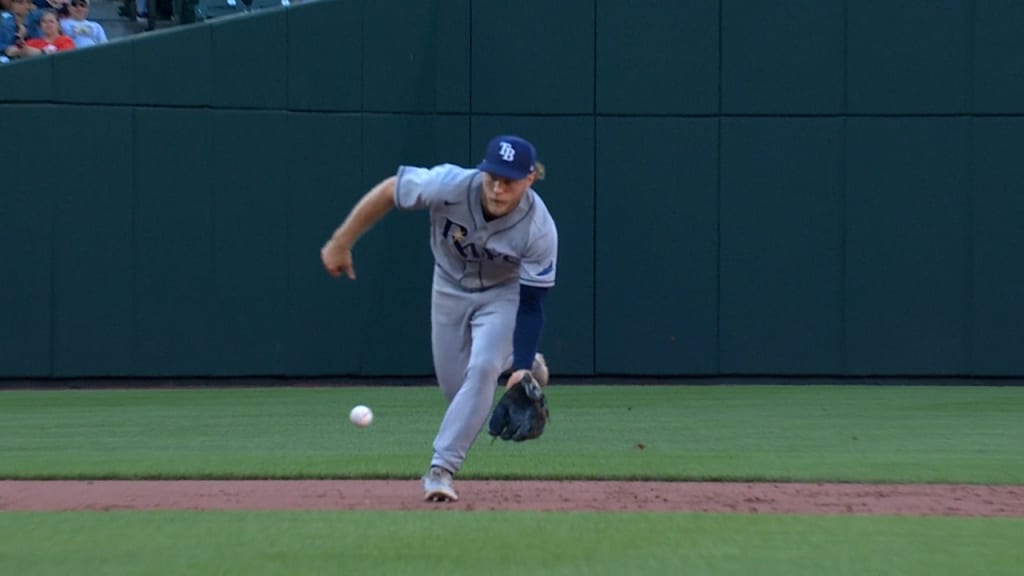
495	248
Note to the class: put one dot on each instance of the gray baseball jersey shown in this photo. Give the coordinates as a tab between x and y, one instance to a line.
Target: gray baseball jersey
479	267
472	253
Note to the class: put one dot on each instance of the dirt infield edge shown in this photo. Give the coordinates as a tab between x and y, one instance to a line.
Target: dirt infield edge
741	497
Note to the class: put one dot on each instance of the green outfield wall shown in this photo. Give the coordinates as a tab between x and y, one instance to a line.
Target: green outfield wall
742	187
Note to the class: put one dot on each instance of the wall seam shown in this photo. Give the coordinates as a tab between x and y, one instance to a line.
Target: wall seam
844	352
54	210
360	363
970	252
845	102
718	205
133	178
844	252
971	33
971	195
593	253
215	120
469	83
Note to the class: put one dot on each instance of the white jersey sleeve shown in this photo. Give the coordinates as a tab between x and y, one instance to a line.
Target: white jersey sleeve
420	188
541	258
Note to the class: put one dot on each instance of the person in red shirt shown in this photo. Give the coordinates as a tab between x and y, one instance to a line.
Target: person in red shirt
53	39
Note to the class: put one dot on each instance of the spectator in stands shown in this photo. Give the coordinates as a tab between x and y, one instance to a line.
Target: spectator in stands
8	25
60	6
17	25
8	30
26	18
246	3
53	39
84	32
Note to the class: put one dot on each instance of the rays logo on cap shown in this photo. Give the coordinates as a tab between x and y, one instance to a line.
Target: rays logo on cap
506	151
509	156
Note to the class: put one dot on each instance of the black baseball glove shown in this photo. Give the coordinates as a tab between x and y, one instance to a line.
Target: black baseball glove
522	412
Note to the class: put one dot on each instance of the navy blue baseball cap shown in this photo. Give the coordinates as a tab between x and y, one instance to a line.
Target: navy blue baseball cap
509	157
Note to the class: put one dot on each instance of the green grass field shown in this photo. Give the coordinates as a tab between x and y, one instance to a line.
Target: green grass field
908	434
905	434
513	543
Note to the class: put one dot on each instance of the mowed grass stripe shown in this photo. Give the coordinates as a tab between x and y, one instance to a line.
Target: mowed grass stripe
814	433
173	543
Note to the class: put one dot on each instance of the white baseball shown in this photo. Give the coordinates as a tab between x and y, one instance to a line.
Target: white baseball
361	416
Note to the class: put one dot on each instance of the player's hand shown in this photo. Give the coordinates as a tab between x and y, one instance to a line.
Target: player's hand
337	260
515	377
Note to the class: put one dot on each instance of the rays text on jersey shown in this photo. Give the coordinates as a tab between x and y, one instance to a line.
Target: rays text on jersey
457	233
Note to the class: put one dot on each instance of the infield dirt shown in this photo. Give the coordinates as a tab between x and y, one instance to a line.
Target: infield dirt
786	498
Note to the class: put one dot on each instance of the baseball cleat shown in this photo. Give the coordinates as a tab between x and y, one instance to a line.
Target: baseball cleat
437	486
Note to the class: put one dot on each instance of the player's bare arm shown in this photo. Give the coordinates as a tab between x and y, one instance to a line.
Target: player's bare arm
336	254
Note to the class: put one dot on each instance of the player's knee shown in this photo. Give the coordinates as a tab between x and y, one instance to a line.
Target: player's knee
483	372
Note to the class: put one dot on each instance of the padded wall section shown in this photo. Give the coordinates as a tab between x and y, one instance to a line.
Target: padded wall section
657	246
93	304
176	316
533	55
998	66
425	66
908	213
783	57
27	81
781	246
657	56
99	75
250	60
186	79
251	188
565	145
324	165
229	151
26	245
392	300
325	54
998	310
908	57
